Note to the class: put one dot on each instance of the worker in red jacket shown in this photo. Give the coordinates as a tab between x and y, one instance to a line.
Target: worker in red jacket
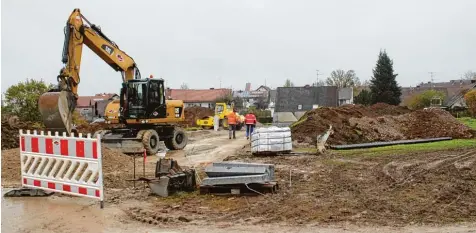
250	121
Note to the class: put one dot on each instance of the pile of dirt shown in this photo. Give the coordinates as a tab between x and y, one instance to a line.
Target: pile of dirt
90	128
11	129
194	113
379	122
117	168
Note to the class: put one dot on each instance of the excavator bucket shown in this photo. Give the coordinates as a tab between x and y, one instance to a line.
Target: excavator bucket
55	109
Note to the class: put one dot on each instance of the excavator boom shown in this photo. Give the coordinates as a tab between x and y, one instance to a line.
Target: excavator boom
57	106
142	108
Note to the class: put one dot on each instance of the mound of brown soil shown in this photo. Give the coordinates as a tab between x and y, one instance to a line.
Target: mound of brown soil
194	113
10	132
379	122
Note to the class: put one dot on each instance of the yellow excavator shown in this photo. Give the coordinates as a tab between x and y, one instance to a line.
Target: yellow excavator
142	108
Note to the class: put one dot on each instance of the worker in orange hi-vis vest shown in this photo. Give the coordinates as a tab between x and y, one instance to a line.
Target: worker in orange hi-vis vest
232	121
250	121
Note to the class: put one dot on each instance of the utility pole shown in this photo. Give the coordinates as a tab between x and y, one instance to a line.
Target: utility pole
431	78
317	77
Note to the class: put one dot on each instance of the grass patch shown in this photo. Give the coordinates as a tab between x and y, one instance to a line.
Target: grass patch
470	122
408	148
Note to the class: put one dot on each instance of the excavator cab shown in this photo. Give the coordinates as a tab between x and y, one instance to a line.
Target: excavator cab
144	99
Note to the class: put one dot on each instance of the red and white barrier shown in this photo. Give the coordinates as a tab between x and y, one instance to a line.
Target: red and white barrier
70	165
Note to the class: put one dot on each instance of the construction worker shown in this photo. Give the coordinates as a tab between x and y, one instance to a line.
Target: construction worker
232	121
250	121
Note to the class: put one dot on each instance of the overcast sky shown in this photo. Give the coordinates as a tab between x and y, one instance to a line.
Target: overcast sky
201	42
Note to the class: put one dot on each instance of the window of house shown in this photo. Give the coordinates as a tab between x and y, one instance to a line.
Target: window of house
300	107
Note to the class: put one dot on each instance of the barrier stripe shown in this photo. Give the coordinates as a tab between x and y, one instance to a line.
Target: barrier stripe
22	142
27	143
92	192
79	149
88	150
34	145
64	147
49	145
95	150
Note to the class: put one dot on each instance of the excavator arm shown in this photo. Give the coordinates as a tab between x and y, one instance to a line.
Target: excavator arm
57	106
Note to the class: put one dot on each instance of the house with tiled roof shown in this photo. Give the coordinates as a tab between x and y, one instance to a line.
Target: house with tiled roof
198	97
454	91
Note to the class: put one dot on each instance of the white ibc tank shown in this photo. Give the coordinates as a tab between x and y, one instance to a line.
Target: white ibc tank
272	139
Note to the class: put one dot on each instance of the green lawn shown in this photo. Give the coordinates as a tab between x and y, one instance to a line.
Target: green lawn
408	148
471	122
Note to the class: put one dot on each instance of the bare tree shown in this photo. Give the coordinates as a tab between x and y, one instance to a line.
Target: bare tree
288	83
469	75
319	83
184	86
341	79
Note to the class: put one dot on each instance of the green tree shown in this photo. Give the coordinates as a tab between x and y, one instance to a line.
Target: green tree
22	99
226	98
364	98
288	83
427	99
470	98
342	79
383	85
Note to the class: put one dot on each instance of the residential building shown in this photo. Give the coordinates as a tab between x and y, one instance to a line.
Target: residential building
250	97
296	99
93	107
454	92
198	97
346	96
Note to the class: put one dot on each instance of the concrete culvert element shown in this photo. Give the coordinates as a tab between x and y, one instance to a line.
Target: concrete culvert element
178	141
284	118
150	140
299	114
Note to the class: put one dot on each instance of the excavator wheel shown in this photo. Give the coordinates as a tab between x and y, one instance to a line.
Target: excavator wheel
140	134
150	140
178	141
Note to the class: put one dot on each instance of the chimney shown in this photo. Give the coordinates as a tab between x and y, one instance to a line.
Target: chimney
248	87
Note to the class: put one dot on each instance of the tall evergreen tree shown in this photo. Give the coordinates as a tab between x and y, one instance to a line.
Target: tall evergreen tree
383	85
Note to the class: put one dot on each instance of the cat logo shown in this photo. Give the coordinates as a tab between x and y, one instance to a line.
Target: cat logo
108	49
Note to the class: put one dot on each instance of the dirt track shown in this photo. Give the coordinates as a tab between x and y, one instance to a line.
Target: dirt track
329	193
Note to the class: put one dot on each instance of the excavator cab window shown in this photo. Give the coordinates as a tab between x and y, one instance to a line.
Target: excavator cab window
137	99
157	107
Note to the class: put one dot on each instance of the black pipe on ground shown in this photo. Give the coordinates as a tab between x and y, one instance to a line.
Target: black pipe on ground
379	144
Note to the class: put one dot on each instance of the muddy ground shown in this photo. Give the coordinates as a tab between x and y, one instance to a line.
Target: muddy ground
335	190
